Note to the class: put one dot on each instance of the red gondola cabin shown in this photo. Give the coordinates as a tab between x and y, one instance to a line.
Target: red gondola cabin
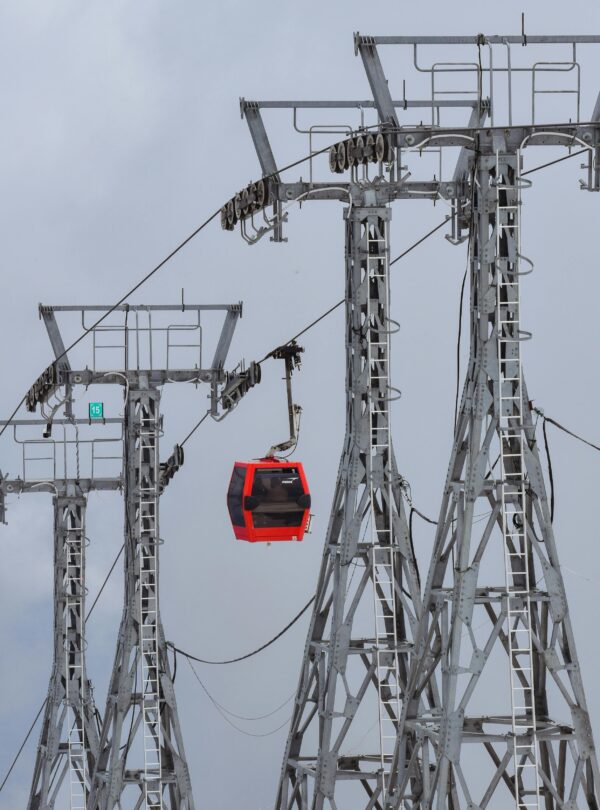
268	500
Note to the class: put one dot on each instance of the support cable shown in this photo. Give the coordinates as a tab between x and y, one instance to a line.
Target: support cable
27	736
194	429
339	303
424	517
106	578
121	300
200	228
323	316
552	162
189	656
566	430
419	241
151	273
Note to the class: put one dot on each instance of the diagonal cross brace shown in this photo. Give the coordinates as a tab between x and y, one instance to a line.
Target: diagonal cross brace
251	112
377	80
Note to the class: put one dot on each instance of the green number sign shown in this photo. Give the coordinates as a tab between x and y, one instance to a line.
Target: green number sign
96	410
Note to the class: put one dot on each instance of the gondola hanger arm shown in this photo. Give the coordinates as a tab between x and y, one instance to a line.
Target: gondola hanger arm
290	354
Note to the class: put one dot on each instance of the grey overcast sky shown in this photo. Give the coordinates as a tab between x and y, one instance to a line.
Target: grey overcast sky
120	133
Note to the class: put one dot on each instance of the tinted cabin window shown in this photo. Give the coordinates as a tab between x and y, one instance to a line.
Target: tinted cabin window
277	492
234	496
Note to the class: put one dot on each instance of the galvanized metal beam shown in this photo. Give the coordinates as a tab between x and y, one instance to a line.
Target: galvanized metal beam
155	376
481	39
251	113
17	486
405	103
58	346
377	81
225	338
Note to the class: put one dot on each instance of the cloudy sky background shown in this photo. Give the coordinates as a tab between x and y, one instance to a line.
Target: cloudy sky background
121	132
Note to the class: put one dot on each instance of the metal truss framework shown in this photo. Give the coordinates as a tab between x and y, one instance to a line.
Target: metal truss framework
141	679
459	714
69	737
534	734
137	756
68	743
368	590
426	669
141	758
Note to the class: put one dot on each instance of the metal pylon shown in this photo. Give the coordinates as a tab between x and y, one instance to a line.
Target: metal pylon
495	630
354	668
141	746
68	745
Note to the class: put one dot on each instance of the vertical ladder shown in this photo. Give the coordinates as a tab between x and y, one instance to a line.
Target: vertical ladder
517	546
378	402
148	468
74	538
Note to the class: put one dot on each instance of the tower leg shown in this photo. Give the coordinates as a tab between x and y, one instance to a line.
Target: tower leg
367	597
141	747
68	746
514	729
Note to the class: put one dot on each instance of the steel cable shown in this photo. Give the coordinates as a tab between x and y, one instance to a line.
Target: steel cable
228	720
326	313
250	654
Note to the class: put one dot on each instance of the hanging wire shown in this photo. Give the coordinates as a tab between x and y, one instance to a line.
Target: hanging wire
250	654
228	719
550	472
566	430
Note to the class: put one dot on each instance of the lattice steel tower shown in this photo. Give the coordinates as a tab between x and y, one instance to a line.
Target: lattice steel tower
368	588
141	674
67	466
135	758
495	586
487	680
368	594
